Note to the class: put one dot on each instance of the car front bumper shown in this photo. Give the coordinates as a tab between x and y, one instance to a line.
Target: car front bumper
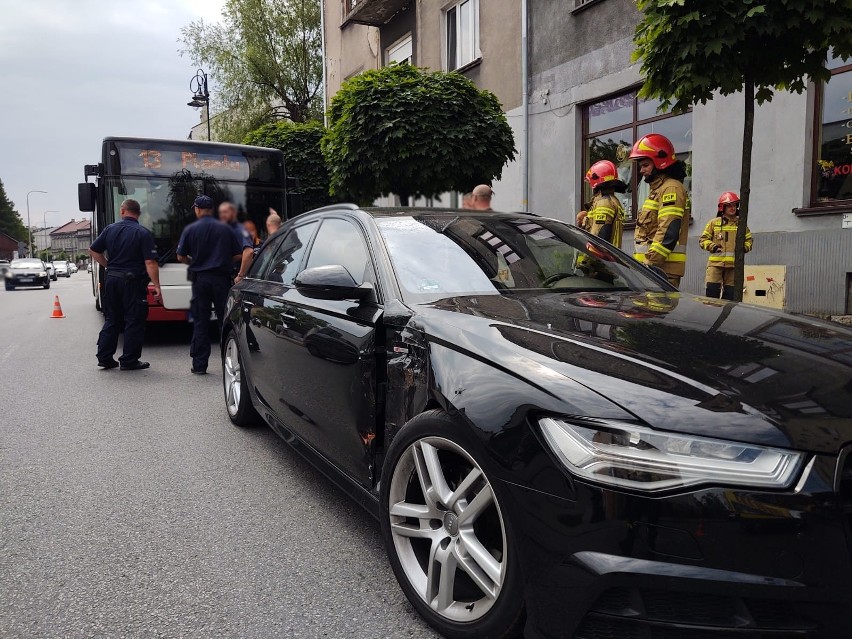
709	564
27	280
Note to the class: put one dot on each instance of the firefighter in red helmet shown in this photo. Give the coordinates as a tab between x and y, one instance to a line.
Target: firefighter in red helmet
720	239
662	224
605	217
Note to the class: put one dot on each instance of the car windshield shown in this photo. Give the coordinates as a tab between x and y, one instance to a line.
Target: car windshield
26	263
437	255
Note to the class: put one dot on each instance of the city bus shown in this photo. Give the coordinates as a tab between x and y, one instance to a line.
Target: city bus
165	177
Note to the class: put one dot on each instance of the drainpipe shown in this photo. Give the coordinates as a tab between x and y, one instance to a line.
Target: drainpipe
324	66
525	102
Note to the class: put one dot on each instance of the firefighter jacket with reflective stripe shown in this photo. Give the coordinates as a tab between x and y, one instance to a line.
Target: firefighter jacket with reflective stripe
607	218
722	232
662	226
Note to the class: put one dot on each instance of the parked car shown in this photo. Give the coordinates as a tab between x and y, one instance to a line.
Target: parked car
26	272
61	267
89	267
548	432
72	268
51	271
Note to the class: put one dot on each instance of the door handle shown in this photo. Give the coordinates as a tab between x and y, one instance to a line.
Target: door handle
287	316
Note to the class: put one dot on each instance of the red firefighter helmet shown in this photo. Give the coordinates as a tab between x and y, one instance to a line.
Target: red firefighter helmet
657	148
728	197
600	172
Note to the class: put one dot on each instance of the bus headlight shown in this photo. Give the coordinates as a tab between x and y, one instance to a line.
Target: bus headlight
626	456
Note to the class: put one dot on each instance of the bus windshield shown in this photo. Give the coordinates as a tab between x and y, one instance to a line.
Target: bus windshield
166	204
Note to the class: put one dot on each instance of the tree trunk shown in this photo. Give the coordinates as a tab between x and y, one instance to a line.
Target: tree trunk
745	188
403	199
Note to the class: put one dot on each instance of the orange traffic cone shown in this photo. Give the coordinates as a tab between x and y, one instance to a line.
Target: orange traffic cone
57	309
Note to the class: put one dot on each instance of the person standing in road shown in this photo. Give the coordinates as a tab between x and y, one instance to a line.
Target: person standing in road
210	249
273	222
127	251
228	215
481	198
662	224
720	238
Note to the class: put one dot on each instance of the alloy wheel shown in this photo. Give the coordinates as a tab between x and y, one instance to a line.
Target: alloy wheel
447	529
232	377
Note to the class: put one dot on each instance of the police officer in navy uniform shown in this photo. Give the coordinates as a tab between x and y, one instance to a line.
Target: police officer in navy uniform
127	251
210	248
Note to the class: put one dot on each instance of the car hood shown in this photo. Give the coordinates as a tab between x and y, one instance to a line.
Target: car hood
675	361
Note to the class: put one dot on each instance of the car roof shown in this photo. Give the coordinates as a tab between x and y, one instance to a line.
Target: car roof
426	211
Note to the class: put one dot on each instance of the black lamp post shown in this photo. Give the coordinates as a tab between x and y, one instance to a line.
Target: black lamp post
201	96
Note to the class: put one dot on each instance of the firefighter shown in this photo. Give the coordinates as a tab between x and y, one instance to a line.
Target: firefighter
605	216
720	238
662	224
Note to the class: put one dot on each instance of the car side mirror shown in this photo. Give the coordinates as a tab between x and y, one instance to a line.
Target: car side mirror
331	282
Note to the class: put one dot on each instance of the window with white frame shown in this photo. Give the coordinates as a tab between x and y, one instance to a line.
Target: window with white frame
400	51
461	34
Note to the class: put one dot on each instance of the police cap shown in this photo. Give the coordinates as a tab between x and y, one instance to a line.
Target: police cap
203	202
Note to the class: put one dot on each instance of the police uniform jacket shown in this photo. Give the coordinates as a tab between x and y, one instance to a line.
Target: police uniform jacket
211	244
128	245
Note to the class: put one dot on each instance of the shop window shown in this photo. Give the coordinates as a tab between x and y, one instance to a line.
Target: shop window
610	127
461	34
833	148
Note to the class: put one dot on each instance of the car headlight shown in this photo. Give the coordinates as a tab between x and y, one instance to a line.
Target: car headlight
42	274
626	456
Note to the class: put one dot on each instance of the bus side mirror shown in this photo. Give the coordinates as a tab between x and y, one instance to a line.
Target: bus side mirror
87	196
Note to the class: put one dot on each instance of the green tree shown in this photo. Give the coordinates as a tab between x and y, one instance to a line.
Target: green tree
302	155
403	130
10	221
266	58
691	50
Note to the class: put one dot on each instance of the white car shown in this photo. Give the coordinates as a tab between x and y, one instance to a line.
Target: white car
72	267
61	268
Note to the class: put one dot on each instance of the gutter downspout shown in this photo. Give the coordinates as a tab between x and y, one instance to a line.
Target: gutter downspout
324	66
525	162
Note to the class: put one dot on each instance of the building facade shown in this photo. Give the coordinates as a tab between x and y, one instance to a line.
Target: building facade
582	105
72	238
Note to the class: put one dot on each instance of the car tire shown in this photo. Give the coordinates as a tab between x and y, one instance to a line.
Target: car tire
9	287
46	285
237	399
423	536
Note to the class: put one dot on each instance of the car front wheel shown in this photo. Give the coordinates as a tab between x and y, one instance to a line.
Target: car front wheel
46	284
9	287
237	400
447	538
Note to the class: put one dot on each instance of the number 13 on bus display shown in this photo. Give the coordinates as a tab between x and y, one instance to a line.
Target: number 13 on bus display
151	159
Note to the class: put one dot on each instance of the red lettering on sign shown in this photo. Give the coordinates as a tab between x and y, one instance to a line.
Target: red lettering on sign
750	278
843	169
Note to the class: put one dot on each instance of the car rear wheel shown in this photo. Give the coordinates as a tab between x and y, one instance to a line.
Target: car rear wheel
237	400
448	541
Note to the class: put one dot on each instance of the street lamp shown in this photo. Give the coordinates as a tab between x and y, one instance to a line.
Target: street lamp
201	96
44	219
30	245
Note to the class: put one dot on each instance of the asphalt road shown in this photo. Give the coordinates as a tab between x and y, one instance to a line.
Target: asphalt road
131	507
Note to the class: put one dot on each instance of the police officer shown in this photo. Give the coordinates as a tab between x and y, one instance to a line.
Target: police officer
126	250
228	215
662	224
210	248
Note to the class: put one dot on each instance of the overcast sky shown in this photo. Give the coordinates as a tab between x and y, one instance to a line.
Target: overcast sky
75	71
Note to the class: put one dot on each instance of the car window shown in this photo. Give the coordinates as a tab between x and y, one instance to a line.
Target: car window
261	262
284	265
341	242
438	256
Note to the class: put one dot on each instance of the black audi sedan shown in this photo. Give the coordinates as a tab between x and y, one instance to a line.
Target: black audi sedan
556	443
27	271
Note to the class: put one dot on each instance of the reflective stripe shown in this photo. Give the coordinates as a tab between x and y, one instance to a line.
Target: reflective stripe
728	228
671	211
603	209
659	248
676	257
724	258
651	205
